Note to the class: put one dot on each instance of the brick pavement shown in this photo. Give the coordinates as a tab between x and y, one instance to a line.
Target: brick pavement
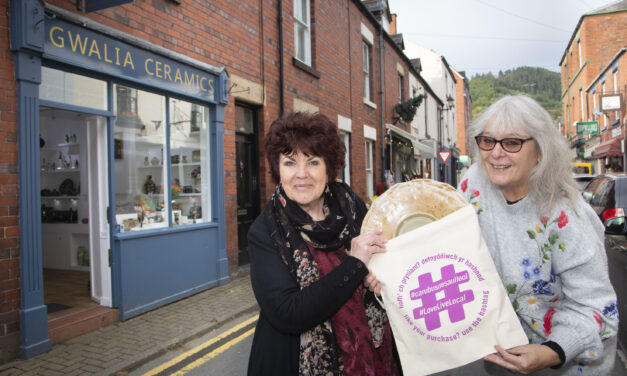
123	345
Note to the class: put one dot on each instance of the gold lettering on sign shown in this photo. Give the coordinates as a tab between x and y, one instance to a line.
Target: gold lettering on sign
100	50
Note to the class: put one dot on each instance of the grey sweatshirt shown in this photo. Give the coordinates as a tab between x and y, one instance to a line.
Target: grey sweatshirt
554	268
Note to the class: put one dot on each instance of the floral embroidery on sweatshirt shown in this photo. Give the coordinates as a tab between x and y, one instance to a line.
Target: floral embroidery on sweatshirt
473	196
546	236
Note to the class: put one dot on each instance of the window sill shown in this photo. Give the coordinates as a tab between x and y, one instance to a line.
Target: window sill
302	66
369	104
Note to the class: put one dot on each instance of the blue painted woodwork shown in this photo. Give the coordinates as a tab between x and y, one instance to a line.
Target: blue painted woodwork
27	42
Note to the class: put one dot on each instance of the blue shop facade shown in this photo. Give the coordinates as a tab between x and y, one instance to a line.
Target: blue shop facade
120	160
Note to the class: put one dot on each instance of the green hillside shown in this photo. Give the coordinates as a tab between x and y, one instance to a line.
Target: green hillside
539	83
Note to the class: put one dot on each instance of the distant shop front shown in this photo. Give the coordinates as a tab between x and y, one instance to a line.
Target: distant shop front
120	146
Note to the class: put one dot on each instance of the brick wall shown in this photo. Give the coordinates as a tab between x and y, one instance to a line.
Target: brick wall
242	36
600	36
9	233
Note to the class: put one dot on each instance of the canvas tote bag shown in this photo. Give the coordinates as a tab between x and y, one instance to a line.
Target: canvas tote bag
445	301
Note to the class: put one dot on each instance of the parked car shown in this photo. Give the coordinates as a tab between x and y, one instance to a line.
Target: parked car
607	194
583	180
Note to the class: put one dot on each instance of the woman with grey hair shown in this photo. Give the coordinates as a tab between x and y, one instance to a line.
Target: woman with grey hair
546	242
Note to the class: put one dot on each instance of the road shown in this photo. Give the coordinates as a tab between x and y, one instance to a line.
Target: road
224	351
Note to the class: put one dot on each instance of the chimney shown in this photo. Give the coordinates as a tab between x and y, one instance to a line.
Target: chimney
393	24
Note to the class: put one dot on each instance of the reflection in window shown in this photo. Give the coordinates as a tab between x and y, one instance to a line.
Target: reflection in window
190	169
139	165
69	88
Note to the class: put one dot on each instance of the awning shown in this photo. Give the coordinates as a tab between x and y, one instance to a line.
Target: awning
426	147
609	148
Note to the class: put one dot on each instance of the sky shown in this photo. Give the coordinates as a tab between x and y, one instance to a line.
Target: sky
481	36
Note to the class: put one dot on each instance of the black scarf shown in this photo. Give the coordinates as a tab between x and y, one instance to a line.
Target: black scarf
292	229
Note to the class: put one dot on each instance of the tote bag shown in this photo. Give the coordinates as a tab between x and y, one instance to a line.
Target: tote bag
445	301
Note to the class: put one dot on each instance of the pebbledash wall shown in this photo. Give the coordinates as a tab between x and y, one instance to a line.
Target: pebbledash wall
246	49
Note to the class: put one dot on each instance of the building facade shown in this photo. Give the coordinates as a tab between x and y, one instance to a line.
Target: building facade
594	47
132	138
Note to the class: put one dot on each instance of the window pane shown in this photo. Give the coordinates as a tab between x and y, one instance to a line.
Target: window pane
189	151
139	151
69	88
300	42
244	120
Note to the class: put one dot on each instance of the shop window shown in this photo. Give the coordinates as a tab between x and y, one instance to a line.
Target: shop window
72	89
190	171
139	153
146	196
302	31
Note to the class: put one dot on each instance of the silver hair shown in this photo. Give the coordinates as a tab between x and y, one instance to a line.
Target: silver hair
551	179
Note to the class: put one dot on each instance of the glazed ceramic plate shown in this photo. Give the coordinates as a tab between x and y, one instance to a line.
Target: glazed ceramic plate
407	206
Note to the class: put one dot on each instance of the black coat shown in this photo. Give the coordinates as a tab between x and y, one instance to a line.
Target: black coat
286	310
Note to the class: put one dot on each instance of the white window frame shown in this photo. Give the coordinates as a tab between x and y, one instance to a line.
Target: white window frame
581	103
615	73
580	58
302	23
346	173
365	49
369	149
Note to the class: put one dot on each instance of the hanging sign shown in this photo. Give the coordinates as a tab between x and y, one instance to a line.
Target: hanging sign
587	127
94	5
444	155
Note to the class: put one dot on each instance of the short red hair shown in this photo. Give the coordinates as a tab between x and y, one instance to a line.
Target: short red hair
311	134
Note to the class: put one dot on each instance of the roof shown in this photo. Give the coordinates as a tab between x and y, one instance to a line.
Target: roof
618	6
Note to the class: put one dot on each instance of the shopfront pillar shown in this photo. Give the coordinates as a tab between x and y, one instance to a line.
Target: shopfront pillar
27	36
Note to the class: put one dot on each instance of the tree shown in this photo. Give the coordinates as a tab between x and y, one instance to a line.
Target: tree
406	110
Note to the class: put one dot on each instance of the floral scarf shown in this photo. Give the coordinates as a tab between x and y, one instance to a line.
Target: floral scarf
297	236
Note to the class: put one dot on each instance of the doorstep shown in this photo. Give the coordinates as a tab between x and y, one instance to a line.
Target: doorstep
76	324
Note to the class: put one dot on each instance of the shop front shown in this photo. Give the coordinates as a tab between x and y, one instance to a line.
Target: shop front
611	152
401	154
121	176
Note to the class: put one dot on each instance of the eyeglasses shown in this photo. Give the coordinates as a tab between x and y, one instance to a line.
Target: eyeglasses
510	144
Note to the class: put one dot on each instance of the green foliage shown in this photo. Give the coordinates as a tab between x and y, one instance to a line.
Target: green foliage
541	84
406	110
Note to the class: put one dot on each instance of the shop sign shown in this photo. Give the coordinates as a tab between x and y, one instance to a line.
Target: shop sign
587	127
94	5
616	132
70	43
611	102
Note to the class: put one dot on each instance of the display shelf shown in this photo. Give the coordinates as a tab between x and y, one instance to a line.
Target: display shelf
68	144
188	195
61	170
59	197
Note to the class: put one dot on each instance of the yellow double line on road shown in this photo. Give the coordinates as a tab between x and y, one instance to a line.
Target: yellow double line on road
209	355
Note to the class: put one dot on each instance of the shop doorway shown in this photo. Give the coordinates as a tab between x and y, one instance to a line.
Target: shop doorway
74	200
247	170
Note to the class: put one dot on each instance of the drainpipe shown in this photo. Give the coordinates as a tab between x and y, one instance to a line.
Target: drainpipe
281	78
381	105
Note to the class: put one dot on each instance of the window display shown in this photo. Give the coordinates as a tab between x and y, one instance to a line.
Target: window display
149	172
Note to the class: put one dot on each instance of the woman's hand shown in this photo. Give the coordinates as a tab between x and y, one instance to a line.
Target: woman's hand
365	245
524	359
372	283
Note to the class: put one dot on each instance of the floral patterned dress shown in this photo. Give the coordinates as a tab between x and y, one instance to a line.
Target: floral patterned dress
554	268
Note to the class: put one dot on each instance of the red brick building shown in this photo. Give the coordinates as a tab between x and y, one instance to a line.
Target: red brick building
132	102
595	42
